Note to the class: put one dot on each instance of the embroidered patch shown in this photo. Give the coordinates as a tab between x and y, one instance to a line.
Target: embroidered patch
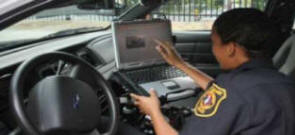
209	102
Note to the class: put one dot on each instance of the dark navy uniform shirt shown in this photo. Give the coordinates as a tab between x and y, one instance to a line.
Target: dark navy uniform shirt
253	99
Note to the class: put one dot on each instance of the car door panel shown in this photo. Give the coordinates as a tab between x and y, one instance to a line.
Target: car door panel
195	48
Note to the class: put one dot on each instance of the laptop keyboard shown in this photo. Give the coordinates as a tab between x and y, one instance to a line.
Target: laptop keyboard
152	74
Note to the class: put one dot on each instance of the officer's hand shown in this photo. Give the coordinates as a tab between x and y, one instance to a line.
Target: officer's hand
169	53
147	105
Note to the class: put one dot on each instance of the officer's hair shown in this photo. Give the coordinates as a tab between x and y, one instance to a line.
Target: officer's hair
248	27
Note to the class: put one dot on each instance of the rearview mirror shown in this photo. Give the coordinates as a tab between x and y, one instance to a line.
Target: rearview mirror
96	4
150	3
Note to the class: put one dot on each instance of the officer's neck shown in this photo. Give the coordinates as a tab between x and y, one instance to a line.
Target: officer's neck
238	60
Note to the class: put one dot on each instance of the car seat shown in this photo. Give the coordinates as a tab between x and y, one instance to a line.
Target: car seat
284	59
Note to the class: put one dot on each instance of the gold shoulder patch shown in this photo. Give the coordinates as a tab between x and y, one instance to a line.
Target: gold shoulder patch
209	102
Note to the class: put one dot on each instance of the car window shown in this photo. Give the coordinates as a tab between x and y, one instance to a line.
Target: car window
59	20
200	14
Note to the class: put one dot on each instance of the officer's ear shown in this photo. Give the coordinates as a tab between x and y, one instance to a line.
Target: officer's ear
230	49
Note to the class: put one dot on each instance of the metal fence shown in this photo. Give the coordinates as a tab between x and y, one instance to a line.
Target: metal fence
175	10
194	10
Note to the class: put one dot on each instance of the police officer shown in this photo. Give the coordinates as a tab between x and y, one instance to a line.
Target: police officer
251	98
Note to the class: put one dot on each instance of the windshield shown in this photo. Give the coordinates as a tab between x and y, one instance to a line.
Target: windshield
51	21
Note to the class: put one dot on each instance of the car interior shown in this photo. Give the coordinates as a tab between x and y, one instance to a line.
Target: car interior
65	84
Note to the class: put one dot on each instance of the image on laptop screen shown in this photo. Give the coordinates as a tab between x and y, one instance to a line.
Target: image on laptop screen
134	42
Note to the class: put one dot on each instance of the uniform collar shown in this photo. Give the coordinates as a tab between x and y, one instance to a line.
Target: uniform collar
256	63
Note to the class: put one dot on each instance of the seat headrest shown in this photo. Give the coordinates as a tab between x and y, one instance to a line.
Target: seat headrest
284	59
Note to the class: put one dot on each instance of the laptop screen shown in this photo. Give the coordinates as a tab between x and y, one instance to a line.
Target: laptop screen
134	42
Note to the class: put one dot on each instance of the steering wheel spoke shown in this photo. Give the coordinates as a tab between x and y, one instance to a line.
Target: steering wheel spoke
95	132
60	65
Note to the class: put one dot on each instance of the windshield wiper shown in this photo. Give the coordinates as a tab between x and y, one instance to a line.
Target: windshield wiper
71	32
64	33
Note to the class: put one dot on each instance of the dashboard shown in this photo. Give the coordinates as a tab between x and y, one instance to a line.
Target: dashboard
95	48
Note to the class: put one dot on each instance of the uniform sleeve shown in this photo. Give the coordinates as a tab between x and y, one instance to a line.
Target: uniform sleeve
217	112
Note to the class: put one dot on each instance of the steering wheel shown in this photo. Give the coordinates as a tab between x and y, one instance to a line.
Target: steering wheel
60	104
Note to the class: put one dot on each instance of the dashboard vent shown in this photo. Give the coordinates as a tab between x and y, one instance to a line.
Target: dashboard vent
88	59
86	55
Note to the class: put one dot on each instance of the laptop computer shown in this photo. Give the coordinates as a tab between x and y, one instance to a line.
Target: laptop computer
137	59
134	42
